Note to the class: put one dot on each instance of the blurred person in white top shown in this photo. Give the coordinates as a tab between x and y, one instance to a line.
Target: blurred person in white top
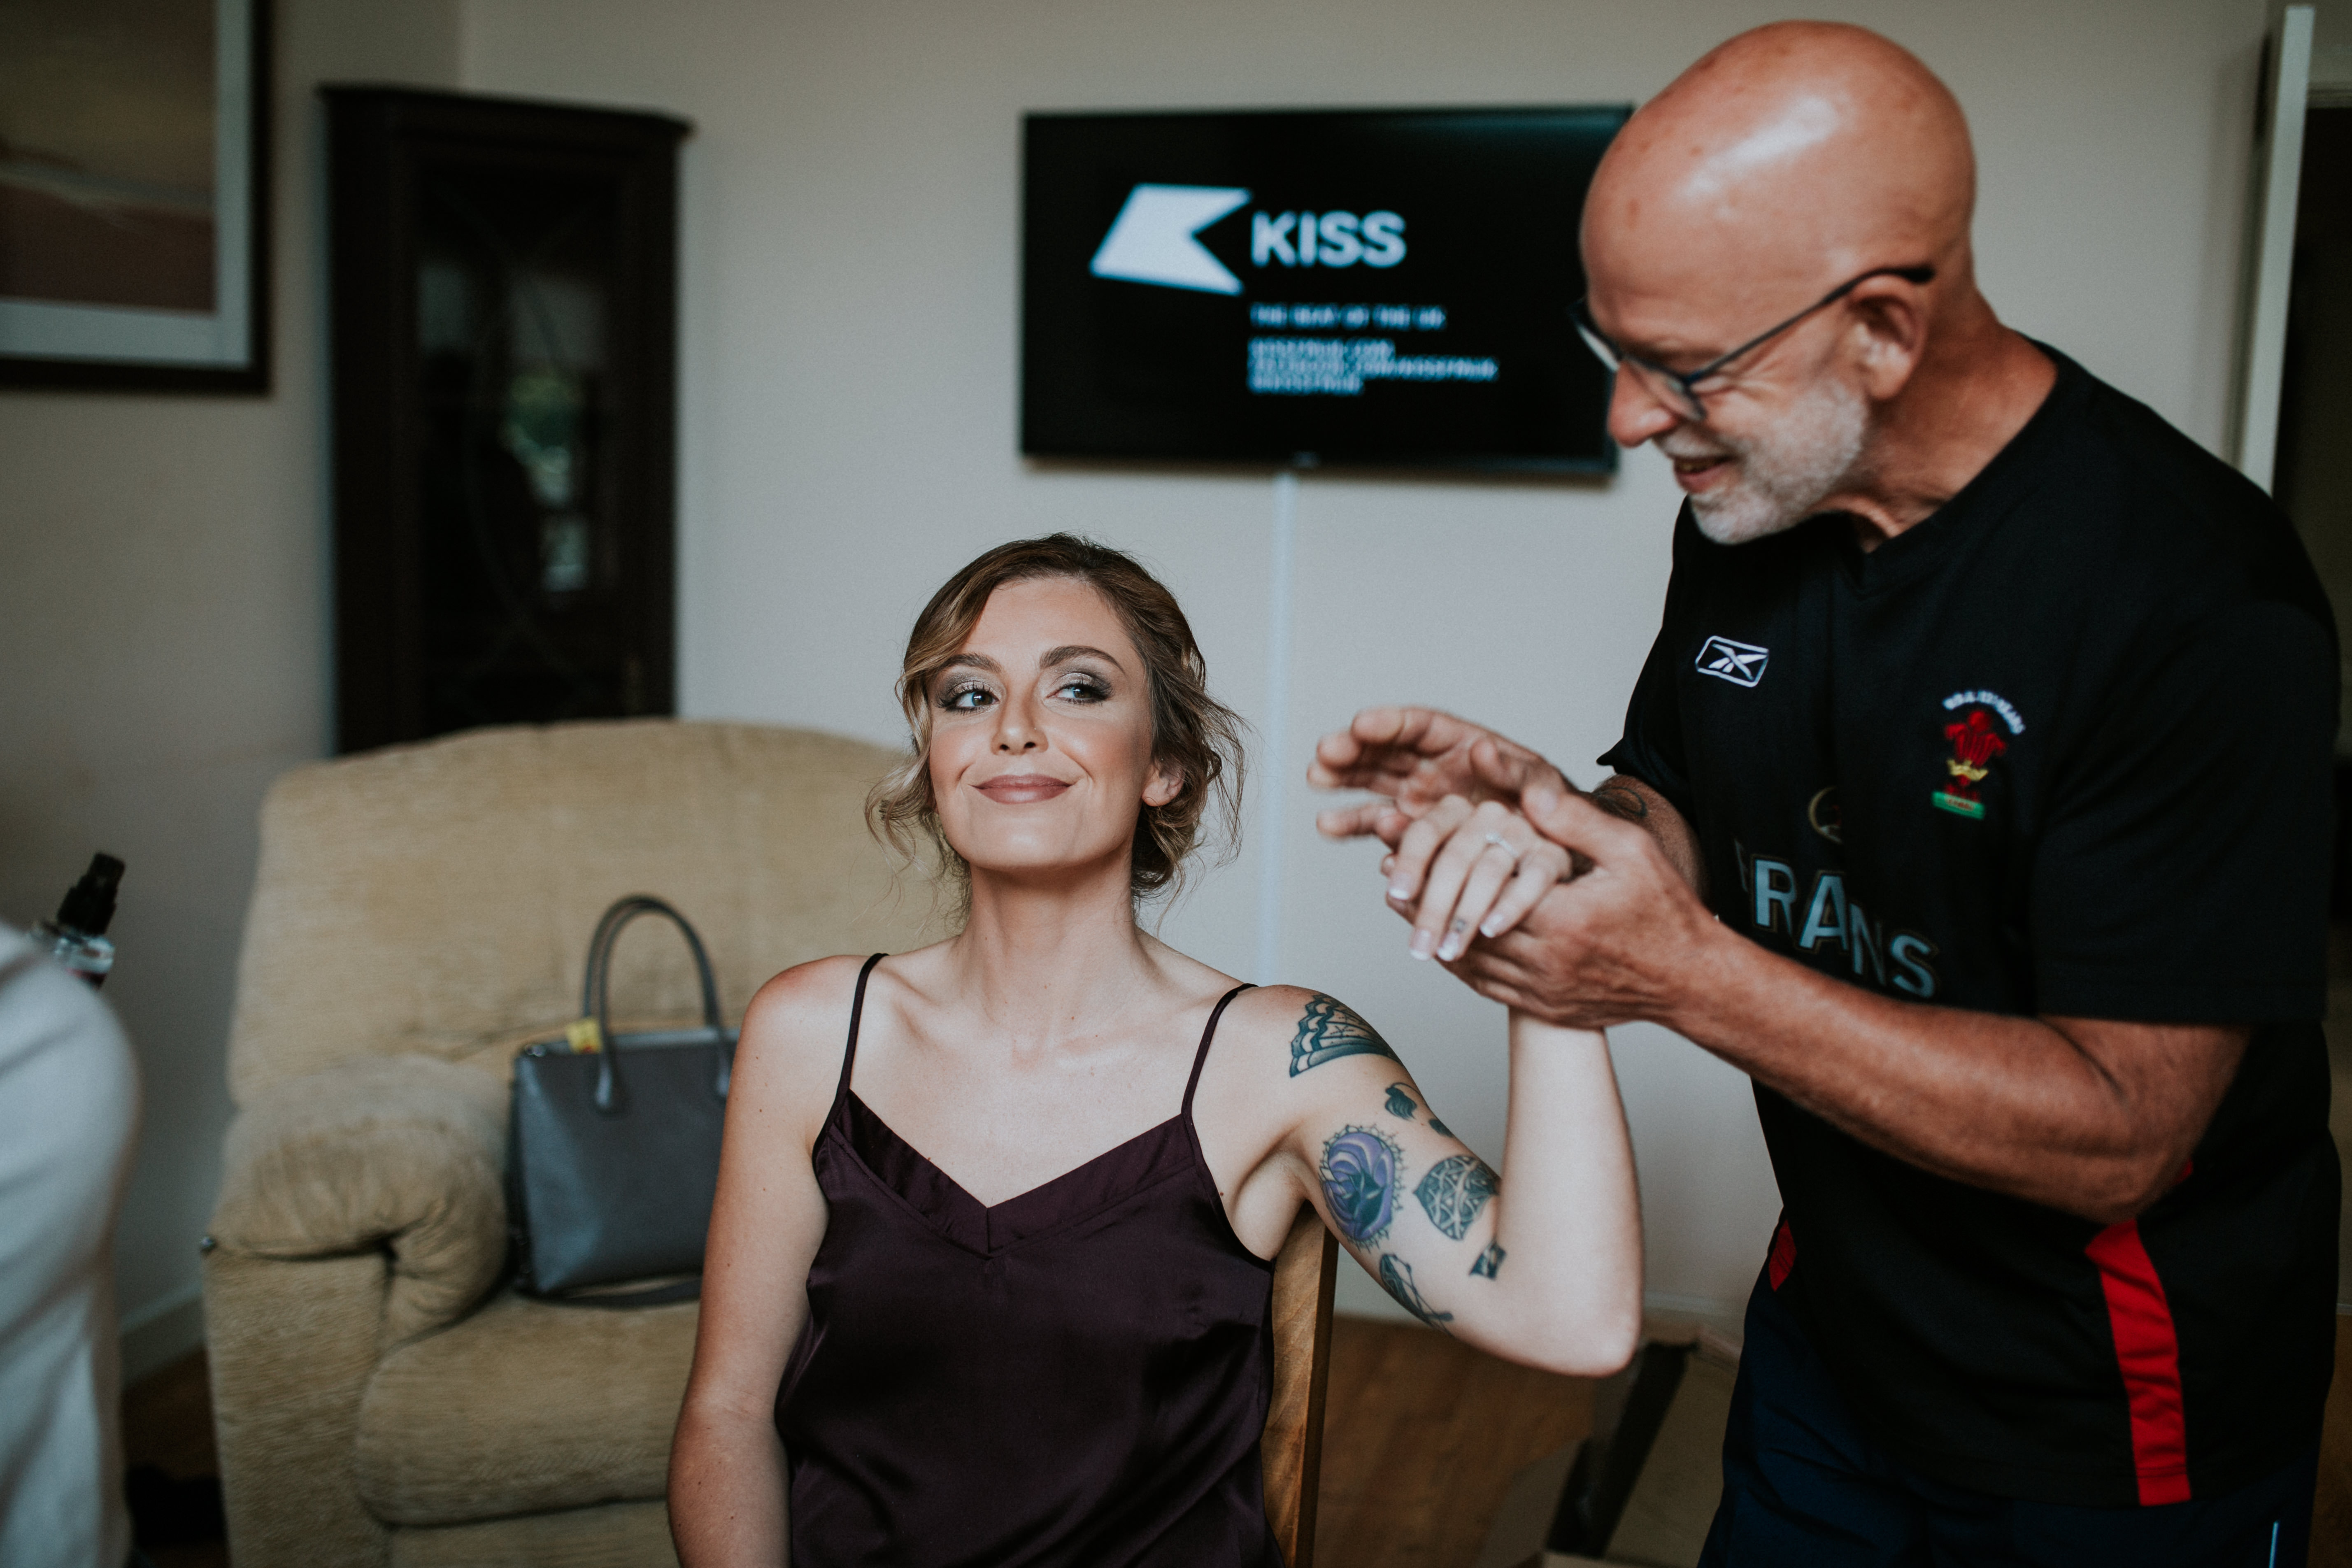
68	1112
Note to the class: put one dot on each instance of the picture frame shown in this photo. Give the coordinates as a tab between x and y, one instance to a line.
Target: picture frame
135	196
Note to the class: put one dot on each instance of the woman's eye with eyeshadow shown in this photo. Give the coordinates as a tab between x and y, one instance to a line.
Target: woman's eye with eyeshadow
966	696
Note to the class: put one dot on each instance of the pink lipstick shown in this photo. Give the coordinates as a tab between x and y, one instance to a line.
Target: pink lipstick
1022	789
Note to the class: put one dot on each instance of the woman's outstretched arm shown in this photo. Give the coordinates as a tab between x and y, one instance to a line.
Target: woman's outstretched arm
726	1463
1542	1262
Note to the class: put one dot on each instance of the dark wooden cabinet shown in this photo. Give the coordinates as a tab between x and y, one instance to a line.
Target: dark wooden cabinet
504	318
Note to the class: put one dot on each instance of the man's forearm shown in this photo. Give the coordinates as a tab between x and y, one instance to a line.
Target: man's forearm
2041	1109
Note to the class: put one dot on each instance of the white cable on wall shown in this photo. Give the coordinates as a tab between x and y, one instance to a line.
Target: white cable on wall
1273	770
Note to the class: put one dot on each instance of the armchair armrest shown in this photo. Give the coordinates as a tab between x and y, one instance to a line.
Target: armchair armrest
403	1153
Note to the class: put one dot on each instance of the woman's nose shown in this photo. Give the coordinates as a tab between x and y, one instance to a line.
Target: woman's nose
1016	728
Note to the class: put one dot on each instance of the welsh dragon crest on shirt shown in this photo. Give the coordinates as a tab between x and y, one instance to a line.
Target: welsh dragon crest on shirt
1976	739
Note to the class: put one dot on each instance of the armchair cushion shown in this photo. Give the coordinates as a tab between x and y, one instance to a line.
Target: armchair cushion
402	1152
524	1407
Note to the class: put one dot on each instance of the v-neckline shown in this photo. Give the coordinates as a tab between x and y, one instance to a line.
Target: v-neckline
1131	1166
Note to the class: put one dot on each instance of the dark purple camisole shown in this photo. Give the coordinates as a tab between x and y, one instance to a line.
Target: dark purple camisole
1077	1376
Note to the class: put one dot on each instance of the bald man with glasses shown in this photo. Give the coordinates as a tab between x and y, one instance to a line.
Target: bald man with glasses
1975	801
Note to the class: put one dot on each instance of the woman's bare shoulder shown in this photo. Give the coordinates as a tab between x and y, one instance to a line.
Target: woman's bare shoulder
796	1028
793	998
1316	1024
1305	1027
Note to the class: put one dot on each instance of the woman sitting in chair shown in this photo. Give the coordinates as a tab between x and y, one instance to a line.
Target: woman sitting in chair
990	1269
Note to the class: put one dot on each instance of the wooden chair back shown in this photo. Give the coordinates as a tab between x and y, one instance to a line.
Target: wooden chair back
1305	1273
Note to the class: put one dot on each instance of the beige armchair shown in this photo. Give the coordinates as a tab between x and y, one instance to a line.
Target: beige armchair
419	913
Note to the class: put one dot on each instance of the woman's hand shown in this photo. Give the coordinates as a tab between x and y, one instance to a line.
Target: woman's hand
1485	867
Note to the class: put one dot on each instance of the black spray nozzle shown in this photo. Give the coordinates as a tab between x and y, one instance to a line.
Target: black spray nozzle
89	905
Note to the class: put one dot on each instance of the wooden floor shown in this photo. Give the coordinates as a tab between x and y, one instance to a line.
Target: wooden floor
1422	1435
167	1422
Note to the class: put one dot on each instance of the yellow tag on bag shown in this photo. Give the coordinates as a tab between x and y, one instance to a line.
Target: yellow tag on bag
583	1036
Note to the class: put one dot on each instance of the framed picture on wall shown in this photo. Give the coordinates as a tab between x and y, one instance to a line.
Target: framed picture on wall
134	194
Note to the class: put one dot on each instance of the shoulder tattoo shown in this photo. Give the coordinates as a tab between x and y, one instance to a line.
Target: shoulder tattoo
1330	1029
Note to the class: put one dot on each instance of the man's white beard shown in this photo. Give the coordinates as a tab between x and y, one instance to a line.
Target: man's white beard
1782	477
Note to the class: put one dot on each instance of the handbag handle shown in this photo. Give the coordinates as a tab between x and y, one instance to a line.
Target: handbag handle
595	994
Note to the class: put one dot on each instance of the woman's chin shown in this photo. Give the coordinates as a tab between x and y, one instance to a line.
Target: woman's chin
1058	865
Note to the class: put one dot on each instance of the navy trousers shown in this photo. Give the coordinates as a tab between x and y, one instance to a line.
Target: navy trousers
1804	1487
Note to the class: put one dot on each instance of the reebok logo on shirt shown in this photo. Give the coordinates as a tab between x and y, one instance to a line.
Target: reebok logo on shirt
1740	663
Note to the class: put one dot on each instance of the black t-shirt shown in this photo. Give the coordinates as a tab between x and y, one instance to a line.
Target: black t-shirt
2062	748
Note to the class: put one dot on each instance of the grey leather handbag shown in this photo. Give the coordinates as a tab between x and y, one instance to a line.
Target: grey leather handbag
612	1147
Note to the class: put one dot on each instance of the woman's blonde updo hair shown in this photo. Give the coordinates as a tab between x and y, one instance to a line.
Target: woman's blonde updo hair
1193	735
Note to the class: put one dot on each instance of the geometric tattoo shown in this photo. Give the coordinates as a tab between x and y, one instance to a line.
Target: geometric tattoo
1396	1278
1490	1262
1328	1030
1454	1192
1401	1104
1361	1170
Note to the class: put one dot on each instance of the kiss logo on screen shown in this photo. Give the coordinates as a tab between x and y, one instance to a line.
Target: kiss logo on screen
1153	240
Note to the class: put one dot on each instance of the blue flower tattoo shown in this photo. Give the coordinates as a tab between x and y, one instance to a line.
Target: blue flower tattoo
1361	1170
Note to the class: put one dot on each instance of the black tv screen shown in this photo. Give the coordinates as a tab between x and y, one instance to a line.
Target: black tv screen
1383	288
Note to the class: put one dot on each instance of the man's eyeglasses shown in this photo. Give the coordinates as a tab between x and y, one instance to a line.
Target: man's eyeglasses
1679	389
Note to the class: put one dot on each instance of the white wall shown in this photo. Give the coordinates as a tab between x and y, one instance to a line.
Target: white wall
849	375
164	629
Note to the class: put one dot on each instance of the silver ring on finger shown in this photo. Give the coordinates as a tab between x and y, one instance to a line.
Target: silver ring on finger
1496	841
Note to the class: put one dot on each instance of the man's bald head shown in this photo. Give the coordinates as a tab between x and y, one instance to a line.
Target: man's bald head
1782	163
1804	165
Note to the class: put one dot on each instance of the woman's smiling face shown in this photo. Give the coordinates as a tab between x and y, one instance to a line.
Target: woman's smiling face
1041	733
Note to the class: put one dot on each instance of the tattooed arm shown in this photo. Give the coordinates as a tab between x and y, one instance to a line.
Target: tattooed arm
1541	1263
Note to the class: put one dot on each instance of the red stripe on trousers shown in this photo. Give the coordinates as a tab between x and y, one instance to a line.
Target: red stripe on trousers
2147	1353
1783	1256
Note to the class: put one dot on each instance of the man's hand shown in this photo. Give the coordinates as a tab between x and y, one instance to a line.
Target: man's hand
1415	758
1462	856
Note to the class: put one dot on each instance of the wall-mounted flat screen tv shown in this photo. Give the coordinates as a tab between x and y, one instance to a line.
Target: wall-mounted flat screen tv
1387	289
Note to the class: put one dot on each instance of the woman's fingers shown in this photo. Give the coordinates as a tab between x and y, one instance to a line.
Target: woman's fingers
1472	864
1496	866
1543	866
1465	872
1425	838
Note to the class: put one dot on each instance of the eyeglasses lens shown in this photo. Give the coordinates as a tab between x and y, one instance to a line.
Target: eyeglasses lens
1660	384
1667	389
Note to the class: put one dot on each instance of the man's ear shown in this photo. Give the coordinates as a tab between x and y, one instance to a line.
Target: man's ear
1166	781
1891	318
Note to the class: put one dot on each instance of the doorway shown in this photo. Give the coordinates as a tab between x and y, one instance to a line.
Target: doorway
2314	483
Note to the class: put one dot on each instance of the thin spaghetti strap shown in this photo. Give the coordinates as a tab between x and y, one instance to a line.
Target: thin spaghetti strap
856	1012
1201	1057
